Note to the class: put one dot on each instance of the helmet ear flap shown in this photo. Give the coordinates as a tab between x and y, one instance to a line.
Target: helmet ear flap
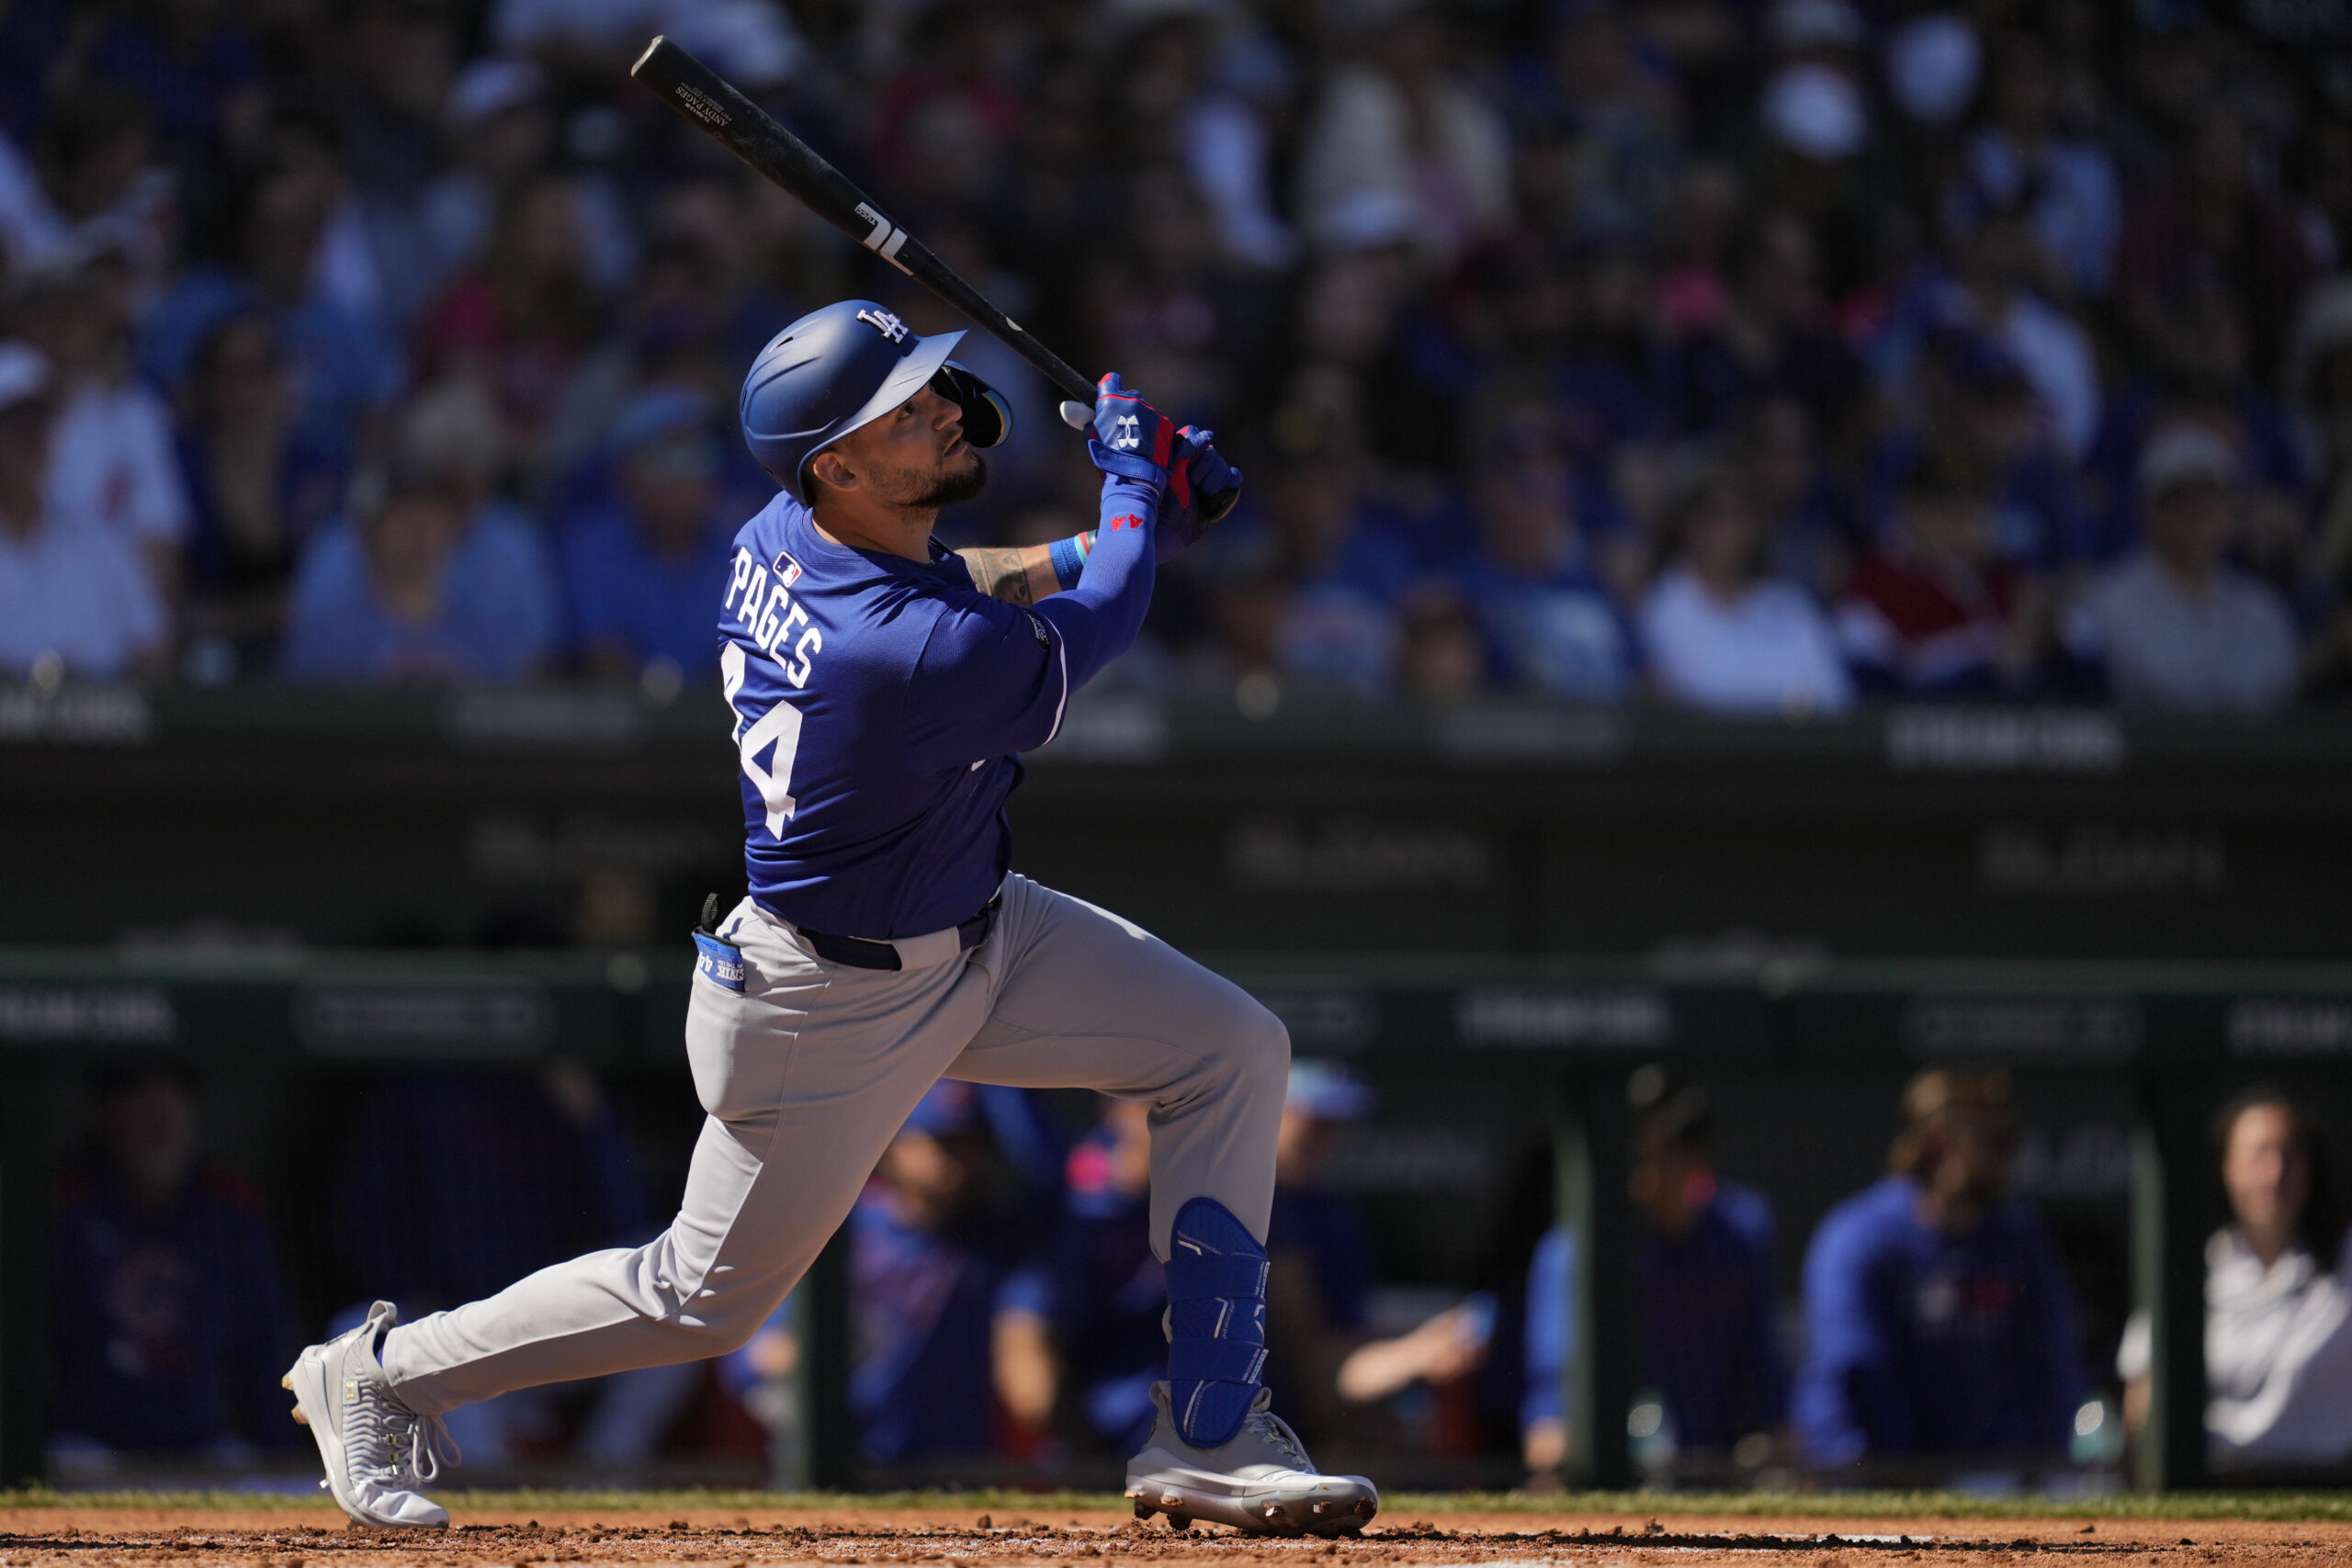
988	418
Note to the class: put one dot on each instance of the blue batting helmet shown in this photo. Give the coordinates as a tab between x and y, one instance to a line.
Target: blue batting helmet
843	367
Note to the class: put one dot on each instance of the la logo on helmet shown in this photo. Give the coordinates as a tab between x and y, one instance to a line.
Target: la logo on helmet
885	323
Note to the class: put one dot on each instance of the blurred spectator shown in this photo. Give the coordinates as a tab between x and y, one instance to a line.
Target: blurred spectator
1807	512
110	457
520	323
1312	583
483	1178
2213	223
1398	145
258	486
91	185
1718	634
1440	656
1939	1320
167	1311
453	432
378	597
73	597
1214	127
2070	184
639	577
1593	92
2278	1298
1534	580
1774	338
1935	613
924	1275
1999	288
346	370
2177	625
1706	1292
1331	1370
1079	1331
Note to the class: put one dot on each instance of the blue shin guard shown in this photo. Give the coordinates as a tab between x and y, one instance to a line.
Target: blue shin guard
1216	1322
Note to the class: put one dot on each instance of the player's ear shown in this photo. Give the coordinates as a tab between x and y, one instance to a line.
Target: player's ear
829	468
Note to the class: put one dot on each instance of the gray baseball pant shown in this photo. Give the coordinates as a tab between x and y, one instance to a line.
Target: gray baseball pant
809	1072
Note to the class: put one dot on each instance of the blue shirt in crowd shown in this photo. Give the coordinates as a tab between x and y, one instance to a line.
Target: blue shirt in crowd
497	616
921	1319
616	589
1706	1304
171	1327
1103	1290
1920	1342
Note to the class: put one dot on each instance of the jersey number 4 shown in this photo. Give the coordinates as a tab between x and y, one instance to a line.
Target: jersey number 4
778	727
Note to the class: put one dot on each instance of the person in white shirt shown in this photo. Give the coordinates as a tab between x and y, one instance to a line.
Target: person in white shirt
2277	1300
1719	634
74	600
111	461
1402	131
2177	625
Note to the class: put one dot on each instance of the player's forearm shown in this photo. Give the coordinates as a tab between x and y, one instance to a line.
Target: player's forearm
1098	620
1023	574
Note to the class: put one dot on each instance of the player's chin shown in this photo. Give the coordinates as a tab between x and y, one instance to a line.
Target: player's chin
960	478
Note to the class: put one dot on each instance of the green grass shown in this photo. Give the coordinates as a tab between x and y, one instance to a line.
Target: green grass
1396	1508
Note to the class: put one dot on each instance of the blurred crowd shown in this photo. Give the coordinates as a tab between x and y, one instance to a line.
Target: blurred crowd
1749	355
1004	1306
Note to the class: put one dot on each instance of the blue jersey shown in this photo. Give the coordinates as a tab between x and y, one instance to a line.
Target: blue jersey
1705	1303
1921	1342
880	703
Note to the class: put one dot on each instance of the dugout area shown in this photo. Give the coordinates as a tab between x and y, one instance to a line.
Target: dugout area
1495	916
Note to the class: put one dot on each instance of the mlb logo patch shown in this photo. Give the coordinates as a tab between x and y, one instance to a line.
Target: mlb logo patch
786	569
718	963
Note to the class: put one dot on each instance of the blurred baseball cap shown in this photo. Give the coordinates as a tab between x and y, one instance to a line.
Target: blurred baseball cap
24	374
1817	111
946	1109
1799	24
489	87
1977	362
1326	1091
668	427
1367	220
2185	454
1932	66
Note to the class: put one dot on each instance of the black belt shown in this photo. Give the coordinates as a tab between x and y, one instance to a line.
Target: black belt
865	953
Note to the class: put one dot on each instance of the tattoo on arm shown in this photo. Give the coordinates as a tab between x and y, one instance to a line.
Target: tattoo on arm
1000	572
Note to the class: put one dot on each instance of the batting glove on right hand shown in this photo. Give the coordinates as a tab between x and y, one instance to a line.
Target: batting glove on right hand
1132	440
1201	487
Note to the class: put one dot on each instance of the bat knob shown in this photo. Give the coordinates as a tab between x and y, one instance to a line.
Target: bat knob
1077	416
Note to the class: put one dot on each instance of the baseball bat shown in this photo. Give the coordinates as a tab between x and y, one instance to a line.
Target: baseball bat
725	115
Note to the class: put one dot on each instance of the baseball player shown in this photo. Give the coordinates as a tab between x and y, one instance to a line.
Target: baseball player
882	690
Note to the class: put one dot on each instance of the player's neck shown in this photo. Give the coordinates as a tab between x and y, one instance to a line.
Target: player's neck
865	525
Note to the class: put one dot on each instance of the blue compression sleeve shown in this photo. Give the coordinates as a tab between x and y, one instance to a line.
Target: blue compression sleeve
1097	621
1069	558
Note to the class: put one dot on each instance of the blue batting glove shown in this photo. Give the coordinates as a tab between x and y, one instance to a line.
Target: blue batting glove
1201	487
1132	440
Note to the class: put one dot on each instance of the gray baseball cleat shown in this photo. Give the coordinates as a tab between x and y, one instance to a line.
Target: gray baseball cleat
1260	1480
377	1451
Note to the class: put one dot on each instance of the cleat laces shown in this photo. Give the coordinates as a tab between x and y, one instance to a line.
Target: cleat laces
1277	1433
391	1445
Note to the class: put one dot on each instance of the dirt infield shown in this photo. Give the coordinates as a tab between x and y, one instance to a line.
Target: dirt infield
285	1536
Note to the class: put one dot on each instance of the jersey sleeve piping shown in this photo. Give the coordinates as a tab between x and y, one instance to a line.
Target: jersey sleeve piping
1061	704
